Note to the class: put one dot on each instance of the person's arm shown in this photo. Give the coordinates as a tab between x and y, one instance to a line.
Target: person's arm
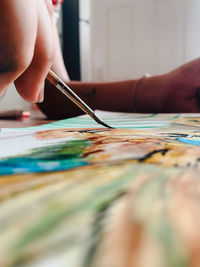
176	91
112	96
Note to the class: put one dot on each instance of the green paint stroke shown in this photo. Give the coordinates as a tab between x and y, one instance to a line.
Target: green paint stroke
49	221
70	149
149	210
173	251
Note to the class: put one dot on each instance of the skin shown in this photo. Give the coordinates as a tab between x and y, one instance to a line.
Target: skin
27	46
176	91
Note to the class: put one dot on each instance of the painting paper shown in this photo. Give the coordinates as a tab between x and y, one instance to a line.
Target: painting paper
75	194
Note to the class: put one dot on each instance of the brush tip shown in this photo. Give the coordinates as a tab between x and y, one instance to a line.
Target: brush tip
99	120
106	125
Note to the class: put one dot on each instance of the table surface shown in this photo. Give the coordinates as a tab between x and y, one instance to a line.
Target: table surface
36	118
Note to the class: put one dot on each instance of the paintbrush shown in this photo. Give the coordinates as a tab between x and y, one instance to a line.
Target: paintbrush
60	85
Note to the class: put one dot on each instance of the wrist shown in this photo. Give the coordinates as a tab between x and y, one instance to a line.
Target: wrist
134	100
153	93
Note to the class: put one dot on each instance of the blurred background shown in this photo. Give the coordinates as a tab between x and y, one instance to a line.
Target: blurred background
104	40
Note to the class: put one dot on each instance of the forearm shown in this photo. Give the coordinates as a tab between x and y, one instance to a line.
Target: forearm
147	96
112	96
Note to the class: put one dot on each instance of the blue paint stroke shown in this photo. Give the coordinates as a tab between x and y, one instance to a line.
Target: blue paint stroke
195	142
59	157
21	165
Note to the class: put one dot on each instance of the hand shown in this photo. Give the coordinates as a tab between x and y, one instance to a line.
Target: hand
174	92
26	46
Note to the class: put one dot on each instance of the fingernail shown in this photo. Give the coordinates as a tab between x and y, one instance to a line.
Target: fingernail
3	92
41	96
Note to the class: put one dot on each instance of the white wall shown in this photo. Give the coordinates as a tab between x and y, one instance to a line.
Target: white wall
126	38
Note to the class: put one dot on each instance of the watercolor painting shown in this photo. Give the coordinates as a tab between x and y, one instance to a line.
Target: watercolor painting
91	196
55	147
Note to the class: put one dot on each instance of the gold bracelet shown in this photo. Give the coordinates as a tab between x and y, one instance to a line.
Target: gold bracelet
134	91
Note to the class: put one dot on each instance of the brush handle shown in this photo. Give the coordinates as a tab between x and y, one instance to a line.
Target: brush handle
60	85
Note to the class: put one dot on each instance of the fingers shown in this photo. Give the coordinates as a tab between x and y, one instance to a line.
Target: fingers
17	39
58	63
30	84
49	7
